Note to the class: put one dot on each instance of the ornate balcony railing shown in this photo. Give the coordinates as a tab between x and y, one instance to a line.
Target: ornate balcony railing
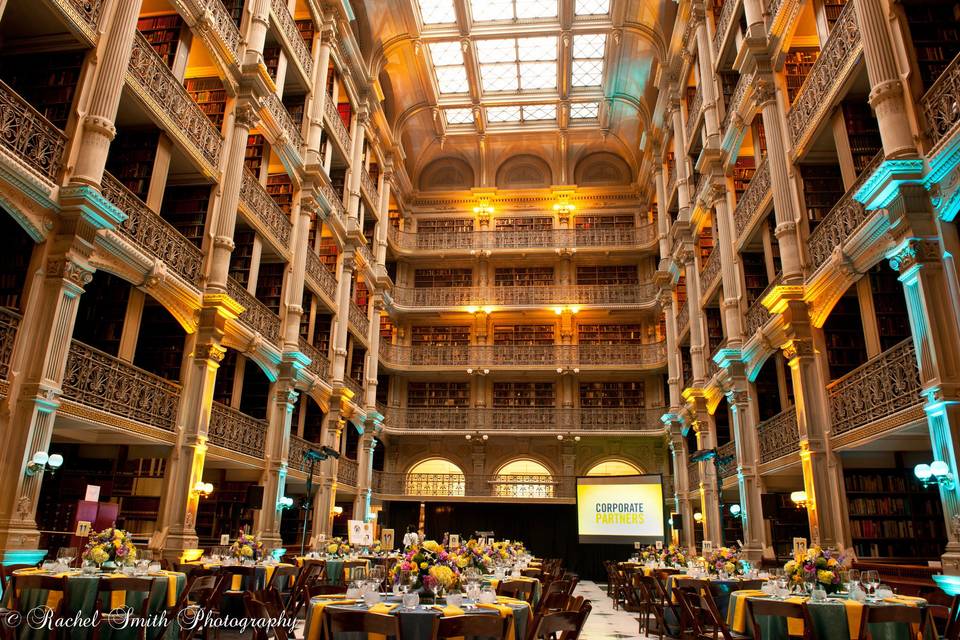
683	317
332	197
336	124
298	449
356	387
727	459
358	319
153	234
89	11
235	430
101	381
324	278
220	23
941	105
693	112
779	435
368	185
846	217
9	322
347	472
155	84
723	23
736	99
257	316
366	255
530	486
549	355
259	204
292	38
29	136
829	72
693	475
633	238
757	192
711	269
288	128
319	363
614	294
882	386
757	314
548	419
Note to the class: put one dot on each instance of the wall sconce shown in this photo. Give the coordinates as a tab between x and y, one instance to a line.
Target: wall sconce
799	499
935	473
202	489
41	461
483	211
564	210
338	510
283	502
698	517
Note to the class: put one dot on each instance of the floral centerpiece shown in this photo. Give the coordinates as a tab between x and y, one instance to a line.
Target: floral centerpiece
338	547
723	559
246	547
110	547
473	555
431	564
816	565
672	555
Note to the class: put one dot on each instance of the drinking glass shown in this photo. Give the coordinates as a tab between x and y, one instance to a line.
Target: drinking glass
872	579
853	579
377	575
436	588
66	556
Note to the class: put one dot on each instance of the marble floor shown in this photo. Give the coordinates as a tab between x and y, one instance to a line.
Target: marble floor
605	622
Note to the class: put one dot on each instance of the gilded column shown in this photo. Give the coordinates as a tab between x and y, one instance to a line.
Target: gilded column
679	455
326	498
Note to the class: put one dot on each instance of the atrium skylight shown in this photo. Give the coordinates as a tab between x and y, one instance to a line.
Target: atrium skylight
491	10
590	7
448	65
517	64
437	11
588	50
584	110
519	114
458	116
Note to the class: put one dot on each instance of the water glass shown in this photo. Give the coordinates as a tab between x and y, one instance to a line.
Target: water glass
455	599
371	597
853	579
473	590
488	595
871	579
410	600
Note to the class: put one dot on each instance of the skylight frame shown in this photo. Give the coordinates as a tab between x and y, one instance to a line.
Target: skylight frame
506	11
518	63
521	114
588	60
430	10
451	79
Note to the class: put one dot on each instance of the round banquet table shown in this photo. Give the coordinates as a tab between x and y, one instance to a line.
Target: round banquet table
721	590
417	624
537	586
82	589
334	566
836	619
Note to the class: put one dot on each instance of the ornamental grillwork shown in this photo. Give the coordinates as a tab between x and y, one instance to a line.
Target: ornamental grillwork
640	293
846	217
89	10
336	123
530	486
828	73
220	22
723	23
523	486
365	255
683	317
355	387
434	484
9	322
740	91
298	450
155	81
336	204
256	316
358	319
526	355
234	430
149	231
347	472
288	128
324	278
779	435
259	203
29	136
757	192
882	386
757	314
319	363
711	269
525	418
727	460
693	111
941	105
693	475
558	238
292	36
368	185
96	379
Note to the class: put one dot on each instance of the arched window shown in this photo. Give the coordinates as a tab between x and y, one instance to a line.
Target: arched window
614	468
524	479
434	477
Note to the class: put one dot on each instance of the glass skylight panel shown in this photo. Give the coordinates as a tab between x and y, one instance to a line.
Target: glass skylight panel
544	48
503	114
535	112
584	110
591	7
492	10
497	50
446	53
448	65
499	77
587	68
589	45
458	116
587	73
532	9
538	75
437	11
514	64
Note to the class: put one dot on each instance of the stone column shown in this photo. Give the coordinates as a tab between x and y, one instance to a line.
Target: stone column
293	287
886	94
342	324
245	118
728	269
711	117
326	492
256	35
368	442
697	338
679	455
680	160
319	95
274	478
383	224
744	430
476	481
663	216
356	167
371	365
97	128
667	305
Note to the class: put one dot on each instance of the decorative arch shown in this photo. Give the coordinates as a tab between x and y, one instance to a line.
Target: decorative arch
614	467
601	169
524	172
446	174
434	476
524	478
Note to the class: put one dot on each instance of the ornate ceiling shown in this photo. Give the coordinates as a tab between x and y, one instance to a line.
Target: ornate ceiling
483	81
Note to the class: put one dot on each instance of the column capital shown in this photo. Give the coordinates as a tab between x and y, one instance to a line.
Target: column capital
798	348
209	351
913	253
246	114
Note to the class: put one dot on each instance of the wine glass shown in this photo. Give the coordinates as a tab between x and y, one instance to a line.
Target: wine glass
872	580
436	588
66	556
853	579
377	575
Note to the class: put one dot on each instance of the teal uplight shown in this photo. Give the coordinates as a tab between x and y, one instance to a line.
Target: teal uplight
23	556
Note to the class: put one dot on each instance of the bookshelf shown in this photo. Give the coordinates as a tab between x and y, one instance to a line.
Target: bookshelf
771	225
305	27
328	252
935	31
610	334
223	385
222	513
242	255
235	9
892	515
524	394
714	329
101	313
607	274
255	391
822	189
524	334
185	207
18	248
281	190
523	276
357	357
46	80
611	394
525	223
796	66
705	245
210	95
160	342
786	522
863	133
253	158
686	365
681	290
306	304
386	329
432	278
843	334
622	221
458	335
832	10
345	109
131	158
322	327
743	172
754	275
728	86
445	225
361	295
163	34
270	284
761	136
438	394
294	104
890	307
271	59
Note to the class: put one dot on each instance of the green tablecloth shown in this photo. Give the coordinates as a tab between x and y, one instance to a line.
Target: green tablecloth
83	598
829	620
334	567
537	586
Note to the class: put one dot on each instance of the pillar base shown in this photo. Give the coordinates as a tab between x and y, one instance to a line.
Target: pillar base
951	559
178	544
19	536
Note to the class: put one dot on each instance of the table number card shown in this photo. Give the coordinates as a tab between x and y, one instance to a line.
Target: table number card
636	545
454	541
224	539
799	546
659	545
387	539
83	528
482	542
707	547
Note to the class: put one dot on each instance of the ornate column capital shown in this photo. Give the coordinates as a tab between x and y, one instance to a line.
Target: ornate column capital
798	348
914	252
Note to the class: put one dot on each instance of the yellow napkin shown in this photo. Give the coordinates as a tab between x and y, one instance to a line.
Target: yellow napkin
909	601
505	612
383	608
509	600
854	616
171	585
236	582
740	607
795	625
448	610
315	631
268	569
